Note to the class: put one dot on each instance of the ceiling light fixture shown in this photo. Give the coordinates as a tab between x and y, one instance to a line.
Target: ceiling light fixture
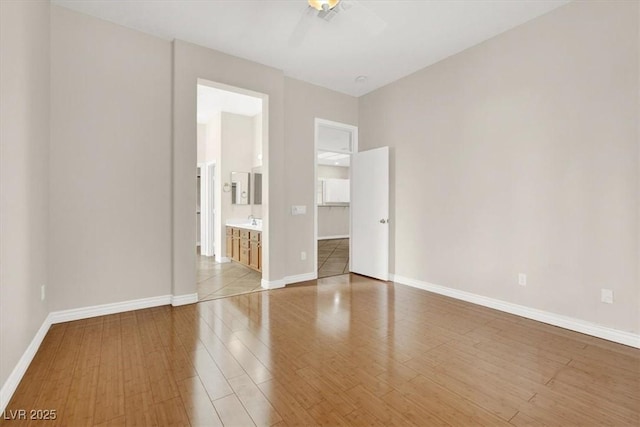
361	79
323	5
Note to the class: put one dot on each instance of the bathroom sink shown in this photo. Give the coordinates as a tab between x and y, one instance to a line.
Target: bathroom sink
247	224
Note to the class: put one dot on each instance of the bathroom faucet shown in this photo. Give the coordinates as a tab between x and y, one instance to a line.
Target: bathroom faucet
253	220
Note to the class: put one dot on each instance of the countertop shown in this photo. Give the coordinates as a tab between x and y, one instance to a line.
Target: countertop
246	225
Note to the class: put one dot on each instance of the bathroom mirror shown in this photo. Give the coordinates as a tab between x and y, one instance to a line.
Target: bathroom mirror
256	184
240	188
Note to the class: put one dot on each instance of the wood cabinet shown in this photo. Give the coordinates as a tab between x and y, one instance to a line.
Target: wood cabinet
255	251
235	244
244	246
229	251
244	251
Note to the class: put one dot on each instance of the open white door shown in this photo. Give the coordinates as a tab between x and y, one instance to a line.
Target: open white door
370	213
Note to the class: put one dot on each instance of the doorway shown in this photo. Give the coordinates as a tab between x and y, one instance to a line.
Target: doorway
334	144
230	142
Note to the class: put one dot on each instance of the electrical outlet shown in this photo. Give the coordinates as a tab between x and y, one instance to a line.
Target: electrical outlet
606	296
522	279
303	255
42	292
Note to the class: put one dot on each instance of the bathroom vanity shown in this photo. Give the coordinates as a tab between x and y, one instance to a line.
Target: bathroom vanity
244	245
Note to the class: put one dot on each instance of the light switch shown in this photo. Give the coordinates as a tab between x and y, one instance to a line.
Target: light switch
606	296
298	210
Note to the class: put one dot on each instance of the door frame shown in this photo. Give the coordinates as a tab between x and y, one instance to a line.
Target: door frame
207	207
265	236
318	122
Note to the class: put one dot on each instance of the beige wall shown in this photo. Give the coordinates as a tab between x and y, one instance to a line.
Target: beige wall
202	157
326	171
190	63
303	103
520	155
201	140
237	151
24	152
524	149
256	210
113	129
257	141
333	220
229	140
213	150
110	177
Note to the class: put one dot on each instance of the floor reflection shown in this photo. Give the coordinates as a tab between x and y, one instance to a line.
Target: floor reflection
344	350
333	307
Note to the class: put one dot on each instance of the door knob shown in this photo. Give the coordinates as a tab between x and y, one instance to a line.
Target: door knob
383	221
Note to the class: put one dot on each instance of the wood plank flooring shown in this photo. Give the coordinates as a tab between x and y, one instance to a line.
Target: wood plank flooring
347	351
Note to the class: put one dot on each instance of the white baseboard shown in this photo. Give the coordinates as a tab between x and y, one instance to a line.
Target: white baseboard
346	236
105	309
577	325
281	283
300	278
272	284
10	385
177	300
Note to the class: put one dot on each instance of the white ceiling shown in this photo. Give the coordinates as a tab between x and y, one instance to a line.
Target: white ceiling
381	39
212	101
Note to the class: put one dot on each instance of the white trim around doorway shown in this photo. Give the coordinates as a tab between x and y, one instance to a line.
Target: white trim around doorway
354	149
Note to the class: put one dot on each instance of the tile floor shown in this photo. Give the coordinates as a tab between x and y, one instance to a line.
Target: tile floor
217	280
333	257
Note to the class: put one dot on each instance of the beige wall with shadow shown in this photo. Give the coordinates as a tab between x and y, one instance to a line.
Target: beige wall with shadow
520	155
24	171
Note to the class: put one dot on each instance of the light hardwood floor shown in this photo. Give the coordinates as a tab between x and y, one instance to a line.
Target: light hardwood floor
349	351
